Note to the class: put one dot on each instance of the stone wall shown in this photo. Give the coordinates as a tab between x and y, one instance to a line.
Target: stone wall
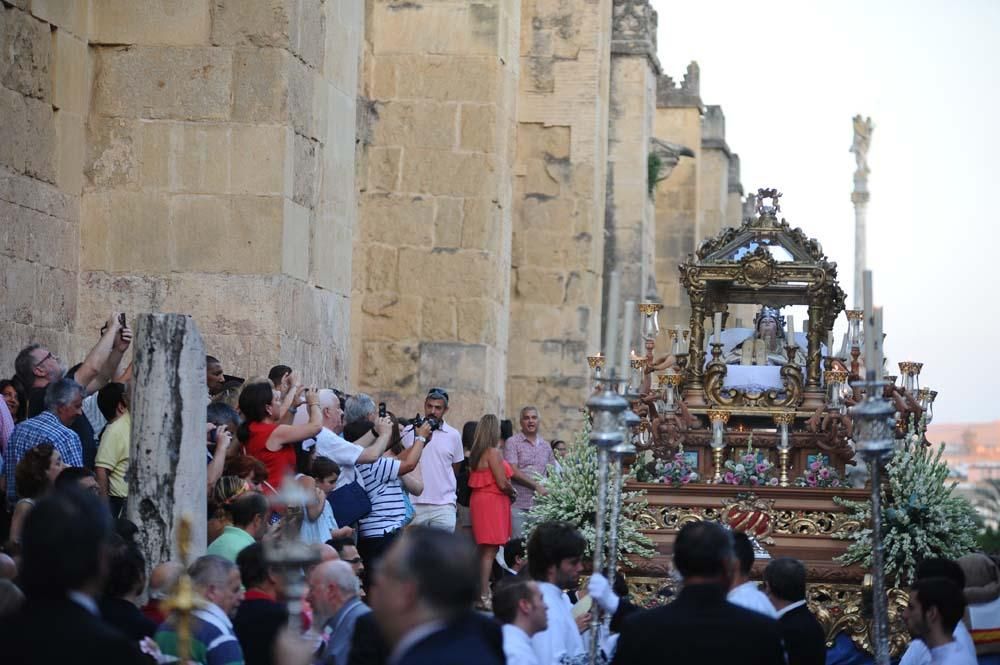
431	288
678	119
558	221
219	174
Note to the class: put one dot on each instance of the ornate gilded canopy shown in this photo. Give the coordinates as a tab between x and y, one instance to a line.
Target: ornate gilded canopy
763	262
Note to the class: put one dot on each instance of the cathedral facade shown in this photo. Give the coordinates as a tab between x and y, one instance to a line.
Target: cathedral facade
386	195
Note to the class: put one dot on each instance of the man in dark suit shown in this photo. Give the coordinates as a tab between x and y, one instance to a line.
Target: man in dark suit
701	626
785	585
64	561
425	585
259	617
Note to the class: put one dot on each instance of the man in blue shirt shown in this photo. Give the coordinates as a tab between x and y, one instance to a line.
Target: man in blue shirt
64	403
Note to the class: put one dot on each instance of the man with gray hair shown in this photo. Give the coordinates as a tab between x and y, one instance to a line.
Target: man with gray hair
334	596
359	407
530	456
64	403
213	641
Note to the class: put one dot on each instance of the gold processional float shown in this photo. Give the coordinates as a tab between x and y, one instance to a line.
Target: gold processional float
766	395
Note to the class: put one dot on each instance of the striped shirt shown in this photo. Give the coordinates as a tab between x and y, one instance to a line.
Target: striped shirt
33	432
212	639
381	480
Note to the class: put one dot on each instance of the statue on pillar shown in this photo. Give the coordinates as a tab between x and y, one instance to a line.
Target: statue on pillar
863	129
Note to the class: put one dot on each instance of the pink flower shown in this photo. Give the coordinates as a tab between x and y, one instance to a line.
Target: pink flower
753	480
811	481
729	478
824	473
815	465
835	483
761	468
748	458
773	482
685	480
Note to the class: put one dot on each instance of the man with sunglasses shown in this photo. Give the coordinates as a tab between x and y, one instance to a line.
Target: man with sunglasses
436	505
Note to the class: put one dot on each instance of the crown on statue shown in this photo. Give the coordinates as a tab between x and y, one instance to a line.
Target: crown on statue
772	313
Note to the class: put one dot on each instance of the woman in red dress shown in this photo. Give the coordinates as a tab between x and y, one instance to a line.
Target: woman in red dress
492	493
268	440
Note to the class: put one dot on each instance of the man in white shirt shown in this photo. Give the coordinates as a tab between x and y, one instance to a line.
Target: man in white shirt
936	606
743	591
518	604
334	447
436	505
554	553
918	653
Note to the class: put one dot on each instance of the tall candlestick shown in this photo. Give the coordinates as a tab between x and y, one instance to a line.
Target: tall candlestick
626	358
611	323
869	324
717	325
878	343
791	329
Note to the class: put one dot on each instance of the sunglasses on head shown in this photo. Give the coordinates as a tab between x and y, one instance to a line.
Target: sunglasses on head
437	393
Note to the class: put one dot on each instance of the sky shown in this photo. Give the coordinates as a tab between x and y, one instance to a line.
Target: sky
790	76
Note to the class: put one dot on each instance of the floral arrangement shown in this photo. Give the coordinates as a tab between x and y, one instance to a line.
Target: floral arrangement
819	474
572	497
676	472
749	469
921	516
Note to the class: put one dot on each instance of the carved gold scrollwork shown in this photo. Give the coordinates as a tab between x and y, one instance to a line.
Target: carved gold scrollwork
717	394
674	517
841	608
757	269
813	522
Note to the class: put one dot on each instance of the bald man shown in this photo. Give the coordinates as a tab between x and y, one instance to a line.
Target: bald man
161	583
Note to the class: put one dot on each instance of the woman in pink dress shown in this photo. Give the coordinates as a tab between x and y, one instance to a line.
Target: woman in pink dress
492	493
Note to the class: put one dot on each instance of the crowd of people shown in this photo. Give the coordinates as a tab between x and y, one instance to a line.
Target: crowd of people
418	534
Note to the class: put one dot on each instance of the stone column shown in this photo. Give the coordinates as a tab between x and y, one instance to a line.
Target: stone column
629	210
432	291
557	243
167	456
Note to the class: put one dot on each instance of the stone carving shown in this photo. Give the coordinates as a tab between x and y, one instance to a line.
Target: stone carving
670	94
863	129
633	29
669	155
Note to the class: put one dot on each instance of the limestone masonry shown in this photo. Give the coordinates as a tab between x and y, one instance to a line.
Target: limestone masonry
386	195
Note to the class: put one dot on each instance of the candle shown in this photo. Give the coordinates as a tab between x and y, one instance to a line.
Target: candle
878	342
870	358
791	330
626	364
717	324
611	323
829	343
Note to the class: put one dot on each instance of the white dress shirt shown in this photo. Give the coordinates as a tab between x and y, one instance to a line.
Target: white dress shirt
752	598
517	647
918	653
562	637
952	653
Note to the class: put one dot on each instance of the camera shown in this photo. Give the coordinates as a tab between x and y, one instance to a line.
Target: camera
381	410
418	421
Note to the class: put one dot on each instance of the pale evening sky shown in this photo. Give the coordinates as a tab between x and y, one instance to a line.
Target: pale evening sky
790	76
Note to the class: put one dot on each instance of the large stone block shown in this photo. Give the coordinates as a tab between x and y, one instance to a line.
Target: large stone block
479	127
389	365
303	86
27	136
71	73
344	28
401	220
447	222
164	82
65	15
381	266
417	124
295	255
308	31
199	158
255	23
536	140
461	273
477	321
154	151
473	28
260	162
71	146
540	285
459	367
444	79
115	149
482	224
31	193
449	173
439	320
304	164
332	248
150	22
26	52
383	169
260	84
124	231
391	316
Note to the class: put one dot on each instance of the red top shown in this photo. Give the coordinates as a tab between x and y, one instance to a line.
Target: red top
278	462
